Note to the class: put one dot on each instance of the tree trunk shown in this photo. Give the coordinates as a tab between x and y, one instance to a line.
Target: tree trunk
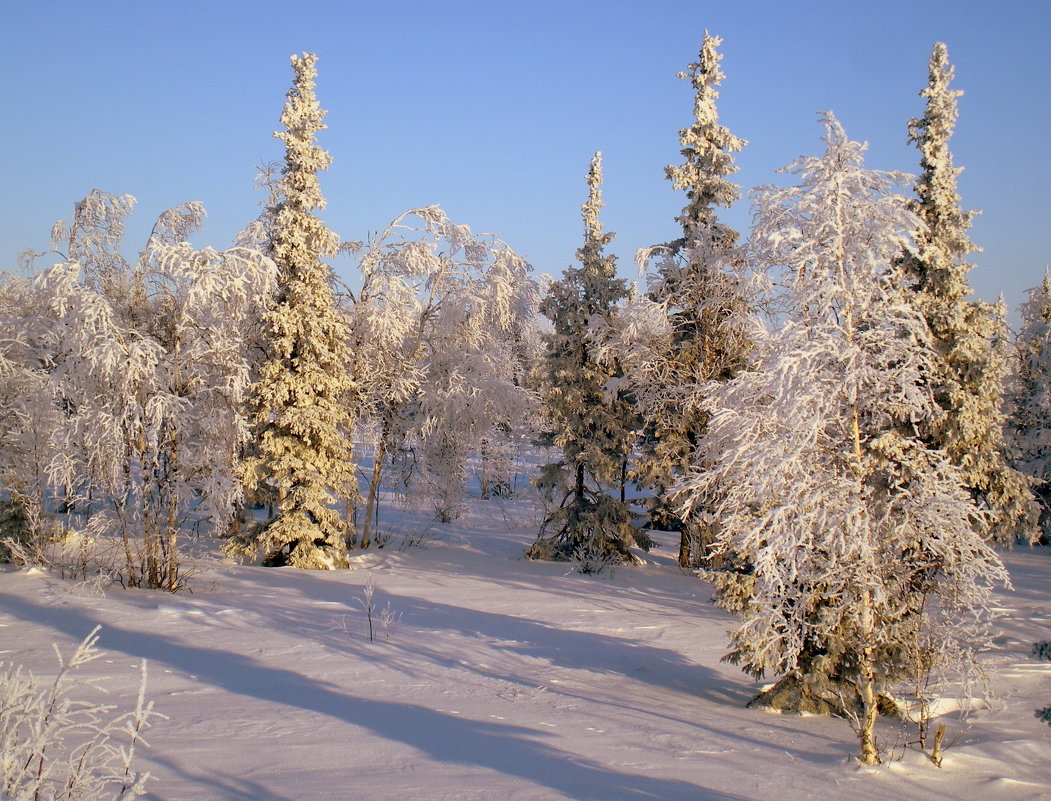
869	713
374	485
684	547
867	687
485	469
171	577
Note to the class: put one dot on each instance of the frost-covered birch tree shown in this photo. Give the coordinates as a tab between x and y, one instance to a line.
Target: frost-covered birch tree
696	285
442	325
94	237
132	374
970	336
29	416
594	430
863	548
1029	422
473	394
301	419
204	305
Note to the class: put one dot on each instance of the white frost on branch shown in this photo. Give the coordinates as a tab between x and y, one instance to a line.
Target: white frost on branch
444	327
857	540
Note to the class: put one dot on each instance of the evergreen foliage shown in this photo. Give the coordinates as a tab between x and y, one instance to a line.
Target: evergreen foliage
707	151
865	557
970	336
594	429
696	284
302	422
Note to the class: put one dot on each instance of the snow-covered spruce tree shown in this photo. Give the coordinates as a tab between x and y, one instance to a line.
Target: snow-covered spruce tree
302	423
1029	422
437	325
595	432
864	549
970	336
696	284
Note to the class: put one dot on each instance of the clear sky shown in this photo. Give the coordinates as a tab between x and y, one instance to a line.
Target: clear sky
493	110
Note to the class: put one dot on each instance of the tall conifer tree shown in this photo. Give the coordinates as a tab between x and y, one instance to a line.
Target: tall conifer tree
970	336
701	294
595	432
303	447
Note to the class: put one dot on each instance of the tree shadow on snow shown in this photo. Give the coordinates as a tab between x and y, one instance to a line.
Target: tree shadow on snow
562	647
508	749
326	602
574	648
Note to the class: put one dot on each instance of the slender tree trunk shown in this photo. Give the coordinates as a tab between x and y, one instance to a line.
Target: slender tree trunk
234	527
121	503
350	506
485	469
684	546
870	711
866	667
171	569
867	690
374	486
351	521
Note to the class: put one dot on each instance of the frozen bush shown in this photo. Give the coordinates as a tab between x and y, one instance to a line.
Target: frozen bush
56	746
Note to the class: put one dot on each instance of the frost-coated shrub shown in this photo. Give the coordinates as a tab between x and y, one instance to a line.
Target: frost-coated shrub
57	746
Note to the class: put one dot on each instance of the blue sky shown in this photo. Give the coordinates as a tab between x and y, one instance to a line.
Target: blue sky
493	110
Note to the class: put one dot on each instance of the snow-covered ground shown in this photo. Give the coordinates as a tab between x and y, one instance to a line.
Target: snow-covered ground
492	677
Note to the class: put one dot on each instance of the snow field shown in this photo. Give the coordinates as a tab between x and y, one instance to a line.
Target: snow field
499	678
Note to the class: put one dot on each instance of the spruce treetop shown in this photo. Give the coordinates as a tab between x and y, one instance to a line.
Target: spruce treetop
299	234
943	242
590	255
303	118
707	146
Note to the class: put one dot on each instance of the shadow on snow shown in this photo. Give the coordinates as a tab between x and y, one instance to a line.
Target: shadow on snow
508	749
